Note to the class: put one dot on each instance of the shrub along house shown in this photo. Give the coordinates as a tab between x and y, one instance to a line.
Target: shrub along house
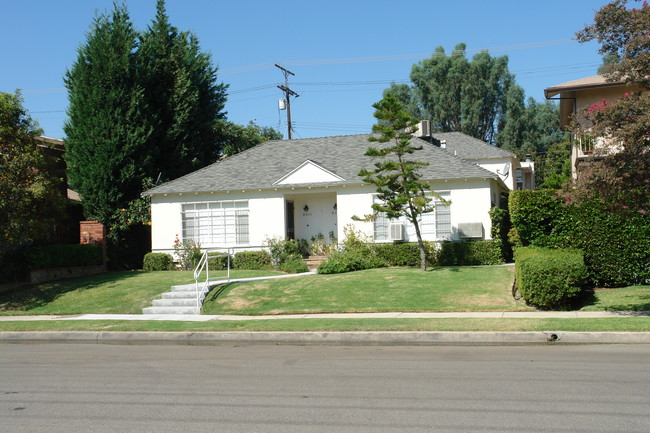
305	188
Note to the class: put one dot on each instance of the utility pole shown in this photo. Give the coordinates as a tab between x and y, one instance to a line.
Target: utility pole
288	93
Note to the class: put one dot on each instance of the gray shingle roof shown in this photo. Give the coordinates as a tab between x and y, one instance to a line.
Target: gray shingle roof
470	148
261	166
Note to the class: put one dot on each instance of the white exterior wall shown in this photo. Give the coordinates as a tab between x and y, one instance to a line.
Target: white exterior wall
497	166
470	203
354	201
321	216
165	222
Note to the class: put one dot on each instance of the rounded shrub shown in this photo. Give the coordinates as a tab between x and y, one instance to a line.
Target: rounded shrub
252	260
157	262
549	279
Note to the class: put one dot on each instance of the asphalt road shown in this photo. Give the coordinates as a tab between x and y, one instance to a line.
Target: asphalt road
120	388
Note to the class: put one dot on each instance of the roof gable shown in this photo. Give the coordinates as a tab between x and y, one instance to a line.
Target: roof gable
308	172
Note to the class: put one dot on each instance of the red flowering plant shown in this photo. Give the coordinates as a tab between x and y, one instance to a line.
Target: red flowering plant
619	175
187	252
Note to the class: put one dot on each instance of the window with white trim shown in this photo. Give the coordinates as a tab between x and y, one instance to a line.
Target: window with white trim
434	225
220	223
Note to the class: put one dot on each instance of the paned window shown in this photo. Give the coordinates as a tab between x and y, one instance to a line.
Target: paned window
221	223
434	225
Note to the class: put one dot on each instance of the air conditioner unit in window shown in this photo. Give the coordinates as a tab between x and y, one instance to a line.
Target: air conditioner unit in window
396	231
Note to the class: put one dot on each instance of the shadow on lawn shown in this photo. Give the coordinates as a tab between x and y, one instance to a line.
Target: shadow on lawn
216	292
35	296
640	303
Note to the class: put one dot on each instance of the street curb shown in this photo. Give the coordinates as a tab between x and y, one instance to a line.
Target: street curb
330	338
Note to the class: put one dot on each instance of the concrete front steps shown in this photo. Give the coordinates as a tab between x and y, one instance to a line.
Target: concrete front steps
313	262
180	300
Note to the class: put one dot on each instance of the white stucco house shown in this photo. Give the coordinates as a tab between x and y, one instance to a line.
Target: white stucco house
303	188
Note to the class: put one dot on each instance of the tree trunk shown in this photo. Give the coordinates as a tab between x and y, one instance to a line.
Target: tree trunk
423	254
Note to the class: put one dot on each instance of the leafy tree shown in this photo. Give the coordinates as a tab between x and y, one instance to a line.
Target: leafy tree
183	97
531	127
457	94
29	197
621	177
608	59
108	129
479	98
237	138
553	169
624	36
400	190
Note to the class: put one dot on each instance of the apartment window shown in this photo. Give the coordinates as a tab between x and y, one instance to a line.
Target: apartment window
221	223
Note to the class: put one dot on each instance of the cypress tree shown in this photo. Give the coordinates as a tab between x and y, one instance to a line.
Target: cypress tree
107	128
183	96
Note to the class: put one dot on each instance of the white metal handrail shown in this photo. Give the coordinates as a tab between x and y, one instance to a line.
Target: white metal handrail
204	265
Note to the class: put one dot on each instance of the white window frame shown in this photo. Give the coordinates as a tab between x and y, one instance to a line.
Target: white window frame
216	224
435	225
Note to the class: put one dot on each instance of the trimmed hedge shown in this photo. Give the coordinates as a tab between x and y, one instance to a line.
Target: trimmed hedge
351	260
458	253
63	256
252	260
549	279
406	254
616	244
471	253
157	262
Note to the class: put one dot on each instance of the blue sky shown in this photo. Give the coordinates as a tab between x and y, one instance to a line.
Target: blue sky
343	53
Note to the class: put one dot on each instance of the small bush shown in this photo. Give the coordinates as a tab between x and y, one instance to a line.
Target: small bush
157	262
549	279
219	263
188	253
61	256
284	249
252	260
354	254
294	266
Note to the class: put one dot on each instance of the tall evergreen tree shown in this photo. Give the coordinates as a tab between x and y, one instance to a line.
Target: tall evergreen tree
183	96
108	131
397	178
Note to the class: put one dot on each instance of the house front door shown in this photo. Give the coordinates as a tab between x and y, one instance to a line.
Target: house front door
290	220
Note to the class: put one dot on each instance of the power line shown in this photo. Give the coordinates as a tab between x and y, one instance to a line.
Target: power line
338	61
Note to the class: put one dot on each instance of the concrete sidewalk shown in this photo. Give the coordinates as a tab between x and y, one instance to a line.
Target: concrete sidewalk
387	315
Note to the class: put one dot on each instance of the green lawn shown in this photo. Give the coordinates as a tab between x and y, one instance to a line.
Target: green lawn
632	298
618	324
109	293
479	288
485	288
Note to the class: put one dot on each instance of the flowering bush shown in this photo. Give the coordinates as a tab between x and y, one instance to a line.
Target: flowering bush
187	252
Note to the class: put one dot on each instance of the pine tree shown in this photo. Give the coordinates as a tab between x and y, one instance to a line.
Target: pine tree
400	190
108	132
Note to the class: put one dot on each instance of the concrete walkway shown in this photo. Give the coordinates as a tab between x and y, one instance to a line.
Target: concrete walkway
388	315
